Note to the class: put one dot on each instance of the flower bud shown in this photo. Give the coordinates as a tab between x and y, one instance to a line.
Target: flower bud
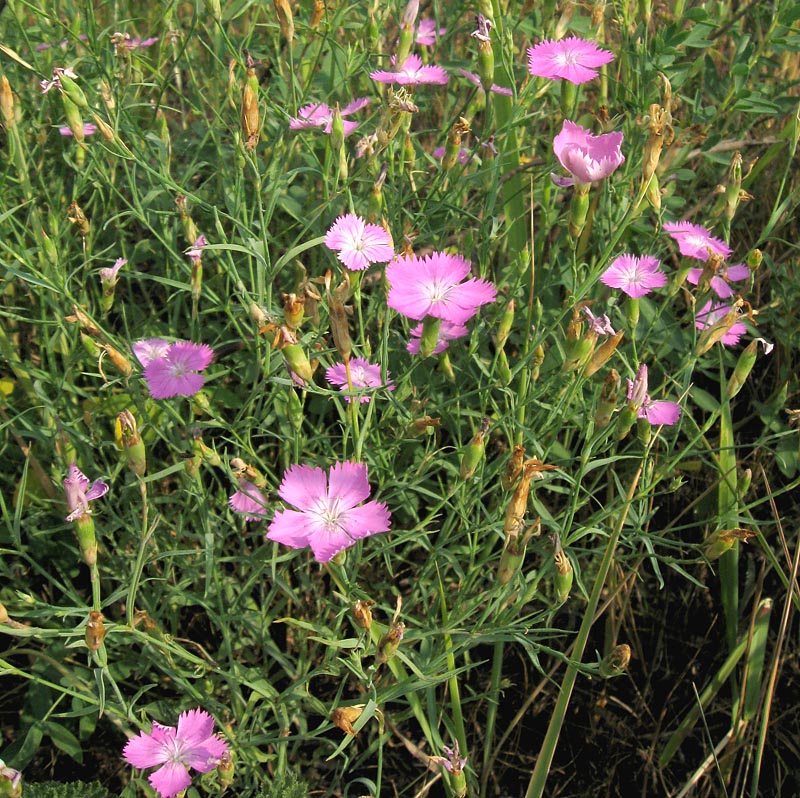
453	147
7	103
345	717
723	539
513	467
564	573
293	310
129	440
72	90
285	19
296	359
407	31
208	455
743	483
754	259
602	354
745	365
225	769
250	117
615	663
473	452
95	631
294	410
10	782
77	217
733	186
189	228
390	642
362	613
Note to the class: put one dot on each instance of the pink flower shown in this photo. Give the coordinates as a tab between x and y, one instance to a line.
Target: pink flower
709	315
599	325
694	241
586	157
447	332
573	59
321	115
463	156
55	83
174	371
195	252
80	493
191	745
249	500
431	286
719	282
427	32
412	73
330	516
359	243
476	79
637	277
109	275
655	412
89	129
363	374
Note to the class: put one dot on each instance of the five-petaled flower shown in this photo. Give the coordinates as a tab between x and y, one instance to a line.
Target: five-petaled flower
427	32
80	492
363	374
656	412
718	313
330	515
573	59
637	277
358	244
412	73
432	286
588	158
447	332
694	240
171	369
191	745
321	115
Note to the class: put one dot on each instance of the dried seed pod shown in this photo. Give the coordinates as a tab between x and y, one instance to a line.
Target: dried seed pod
95	631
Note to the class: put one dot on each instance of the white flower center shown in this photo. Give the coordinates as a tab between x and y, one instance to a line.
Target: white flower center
329	512
567	58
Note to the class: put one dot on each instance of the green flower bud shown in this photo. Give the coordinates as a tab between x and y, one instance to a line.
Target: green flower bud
390	642
430	336
616	661
129	440
473	452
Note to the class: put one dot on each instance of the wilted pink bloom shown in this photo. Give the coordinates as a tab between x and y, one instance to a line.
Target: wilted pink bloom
321	115
586	157
483	29
655	412
599	325
109	275
635	276
89	129
173	373
363	374
137	42
694	240
447	332
249	500
710	314
55	83
426	32
195	252
573	59
476	79
358	243
412	73
719	282
431	286
463	156
80	492
191	745
330	515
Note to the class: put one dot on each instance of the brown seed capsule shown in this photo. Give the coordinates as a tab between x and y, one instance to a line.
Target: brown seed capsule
513	467
76	215
345	717
616	662
95	631
362	613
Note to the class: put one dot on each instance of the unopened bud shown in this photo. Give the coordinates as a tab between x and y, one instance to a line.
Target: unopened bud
506	322
473	452
602	354
362	613
250	116
723	539
754	259
615	663
129	440
293	310
733	186
225	768
743	483
7	103
72	90
564	574
77	217
390	642
95	631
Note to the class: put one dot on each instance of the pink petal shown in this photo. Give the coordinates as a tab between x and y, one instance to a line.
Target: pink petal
348	482
293	528
194	357
150	349
355	105
145	751
737	272
660	412
249	501
303	486
170	779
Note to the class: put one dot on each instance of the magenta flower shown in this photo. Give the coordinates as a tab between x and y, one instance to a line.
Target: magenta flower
321	115
359	243
80	492
431	286
476	79
447	332
710	314
637	277
720	281
656	413
586	157
412	73
330	515
191	745
89	129
694	240
463	156
249	500
174	372
427	32
573	59
363	374
195	252
599	325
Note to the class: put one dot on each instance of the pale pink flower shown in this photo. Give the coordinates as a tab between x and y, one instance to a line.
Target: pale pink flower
476	79
427	32
321	115
150	349
637	277
80	492
89	129
599	325
694	240
174	373
330	515
573	59
586	157
109	275
432	286
447	332
720	281
195	252
358	243
249	500
191	745
412	73
463	156
656	412
710	314
363	374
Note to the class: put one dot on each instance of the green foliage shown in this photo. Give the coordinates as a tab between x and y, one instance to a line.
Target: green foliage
70	789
